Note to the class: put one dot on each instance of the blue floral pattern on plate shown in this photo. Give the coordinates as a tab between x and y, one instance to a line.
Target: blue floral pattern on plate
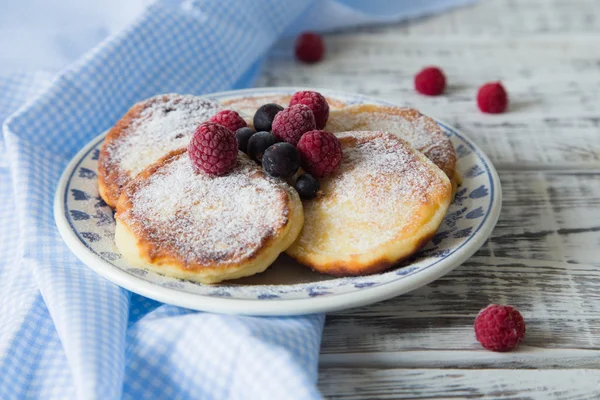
93	223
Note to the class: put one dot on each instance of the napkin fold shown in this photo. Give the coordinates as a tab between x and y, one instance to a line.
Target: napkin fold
65	331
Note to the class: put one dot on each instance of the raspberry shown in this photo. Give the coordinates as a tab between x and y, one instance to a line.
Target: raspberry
430	81
499	328
229	119
290	124
492	98
213	149
309	47
317	104
320	153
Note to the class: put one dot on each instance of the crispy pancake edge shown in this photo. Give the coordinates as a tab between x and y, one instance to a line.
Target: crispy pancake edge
388	254
139	250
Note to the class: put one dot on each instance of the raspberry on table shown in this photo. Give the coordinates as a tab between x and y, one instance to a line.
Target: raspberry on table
499	328
309	47
229	119
316	102
430	81
290	124
492	98
213	149
320	152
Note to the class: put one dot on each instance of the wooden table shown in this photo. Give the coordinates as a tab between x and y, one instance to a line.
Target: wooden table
543	257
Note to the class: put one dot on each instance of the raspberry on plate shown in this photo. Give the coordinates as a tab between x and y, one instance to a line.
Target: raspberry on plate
290	124
492	98
213	149
430	81
229	119
310	47
320	153
316	102
499	328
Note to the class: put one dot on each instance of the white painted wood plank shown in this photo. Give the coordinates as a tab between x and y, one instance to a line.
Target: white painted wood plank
543	255
523	357
552	77
491	18
543	258
355	383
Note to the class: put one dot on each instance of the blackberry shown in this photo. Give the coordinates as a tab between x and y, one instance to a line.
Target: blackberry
263	118
243	135
307	186
258	143
281	160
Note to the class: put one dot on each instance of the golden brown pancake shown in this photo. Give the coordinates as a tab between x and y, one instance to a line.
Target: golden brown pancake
189	225
382	204
247	106
420	131
148	131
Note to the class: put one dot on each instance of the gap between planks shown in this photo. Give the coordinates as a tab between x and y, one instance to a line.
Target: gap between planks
359	384
524	358
562	169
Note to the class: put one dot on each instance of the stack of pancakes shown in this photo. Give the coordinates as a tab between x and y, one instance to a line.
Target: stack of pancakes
382	204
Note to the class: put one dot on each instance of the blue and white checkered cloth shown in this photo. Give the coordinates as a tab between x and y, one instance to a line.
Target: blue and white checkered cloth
65	332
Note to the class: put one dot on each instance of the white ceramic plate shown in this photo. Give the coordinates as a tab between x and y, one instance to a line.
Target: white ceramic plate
87	226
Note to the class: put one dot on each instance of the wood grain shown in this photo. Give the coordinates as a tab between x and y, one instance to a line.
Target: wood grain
360	384
542	258
544	254
552	78
527	357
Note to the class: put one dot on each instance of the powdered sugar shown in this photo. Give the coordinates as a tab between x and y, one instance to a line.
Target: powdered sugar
420	131
166	123
379	157
205	219
373	197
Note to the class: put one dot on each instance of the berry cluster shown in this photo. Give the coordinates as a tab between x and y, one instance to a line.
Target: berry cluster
284	139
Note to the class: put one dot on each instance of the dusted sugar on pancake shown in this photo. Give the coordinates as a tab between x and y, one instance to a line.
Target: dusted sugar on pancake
247	106
187	224
149	130
383	203
420	131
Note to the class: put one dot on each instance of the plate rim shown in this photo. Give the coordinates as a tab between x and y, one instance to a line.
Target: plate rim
274	307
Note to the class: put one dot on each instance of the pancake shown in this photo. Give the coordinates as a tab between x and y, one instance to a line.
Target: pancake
420	131
384	202
148	131
189	225
247	106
